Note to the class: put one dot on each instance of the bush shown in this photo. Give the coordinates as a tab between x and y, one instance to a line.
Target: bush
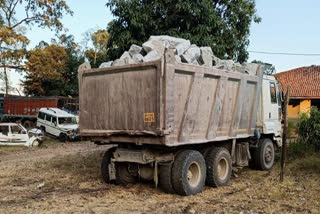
309	128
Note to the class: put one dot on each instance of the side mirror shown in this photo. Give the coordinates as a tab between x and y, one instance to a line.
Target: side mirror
55	123
23	132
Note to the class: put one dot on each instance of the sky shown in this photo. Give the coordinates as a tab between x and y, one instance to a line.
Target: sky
288	26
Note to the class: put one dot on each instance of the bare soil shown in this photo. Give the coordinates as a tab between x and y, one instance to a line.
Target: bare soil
65	178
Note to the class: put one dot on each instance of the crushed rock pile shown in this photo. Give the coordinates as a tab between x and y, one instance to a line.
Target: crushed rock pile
185	52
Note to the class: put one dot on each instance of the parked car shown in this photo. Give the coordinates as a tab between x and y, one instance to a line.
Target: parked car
13	134
57	123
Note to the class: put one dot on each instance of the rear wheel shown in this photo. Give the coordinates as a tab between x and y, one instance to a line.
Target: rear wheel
27	124
219	167
123	175
106	160
188	172
264	154
165	178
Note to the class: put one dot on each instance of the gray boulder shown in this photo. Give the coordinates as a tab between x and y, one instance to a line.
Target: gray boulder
106	64
137	58
151	56
134	49
125	55
181	45
193	52
225	64
156	45
178	58
205	56
185	58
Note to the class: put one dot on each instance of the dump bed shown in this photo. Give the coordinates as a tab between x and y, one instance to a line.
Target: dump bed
168	103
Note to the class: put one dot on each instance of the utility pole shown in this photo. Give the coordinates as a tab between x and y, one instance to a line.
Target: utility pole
284	134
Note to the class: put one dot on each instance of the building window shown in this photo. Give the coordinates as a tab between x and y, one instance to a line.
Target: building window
273	92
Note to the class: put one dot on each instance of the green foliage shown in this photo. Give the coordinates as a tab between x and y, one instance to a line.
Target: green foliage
309	128
52	69
269	68
308	142
223	25
98	54
299	148
291	129
13	42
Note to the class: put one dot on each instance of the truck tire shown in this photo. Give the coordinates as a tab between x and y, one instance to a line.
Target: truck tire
165	178
105	166
43	129
219	167
27	124
264	154
123	176
188	172
63	138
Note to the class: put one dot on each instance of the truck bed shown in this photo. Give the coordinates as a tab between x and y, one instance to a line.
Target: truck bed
168	103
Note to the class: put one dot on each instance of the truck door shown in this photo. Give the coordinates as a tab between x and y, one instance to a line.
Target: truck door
272	108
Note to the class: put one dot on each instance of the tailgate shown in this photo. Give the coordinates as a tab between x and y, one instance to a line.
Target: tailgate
120	100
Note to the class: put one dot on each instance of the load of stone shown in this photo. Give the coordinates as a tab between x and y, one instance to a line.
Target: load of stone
185	52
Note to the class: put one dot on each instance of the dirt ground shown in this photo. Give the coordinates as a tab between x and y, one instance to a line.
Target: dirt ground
65	178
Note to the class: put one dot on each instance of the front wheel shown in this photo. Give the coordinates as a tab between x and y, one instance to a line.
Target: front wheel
264	154
63	138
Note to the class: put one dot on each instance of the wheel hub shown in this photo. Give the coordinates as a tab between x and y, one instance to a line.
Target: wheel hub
268	154
223	168
194	174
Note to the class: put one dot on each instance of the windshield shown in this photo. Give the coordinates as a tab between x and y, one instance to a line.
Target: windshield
67	120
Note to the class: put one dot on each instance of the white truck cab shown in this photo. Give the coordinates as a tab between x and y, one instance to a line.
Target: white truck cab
57	123
270	111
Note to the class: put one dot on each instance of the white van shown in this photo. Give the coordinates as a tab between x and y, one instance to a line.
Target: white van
57	123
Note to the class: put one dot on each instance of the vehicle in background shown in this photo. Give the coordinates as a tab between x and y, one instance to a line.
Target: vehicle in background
13	134
24	110
57	123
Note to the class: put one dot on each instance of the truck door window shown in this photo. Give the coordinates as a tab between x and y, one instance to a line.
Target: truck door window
16	130
4	130
48	118
41	115
273	92
54	120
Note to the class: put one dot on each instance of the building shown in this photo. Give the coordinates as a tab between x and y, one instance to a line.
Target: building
304	86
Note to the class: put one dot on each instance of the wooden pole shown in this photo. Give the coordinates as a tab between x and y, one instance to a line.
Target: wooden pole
284	134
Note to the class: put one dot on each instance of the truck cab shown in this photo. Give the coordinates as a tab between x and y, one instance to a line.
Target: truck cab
269	111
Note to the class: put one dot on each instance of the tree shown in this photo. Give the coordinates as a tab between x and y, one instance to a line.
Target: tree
98	54
223	25
51	70
269	68
13	42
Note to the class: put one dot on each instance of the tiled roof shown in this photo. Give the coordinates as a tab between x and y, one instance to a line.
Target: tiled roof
303	82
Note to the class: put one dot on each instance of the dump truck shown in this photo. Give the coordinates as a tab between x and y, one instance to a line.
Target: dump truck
179	125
